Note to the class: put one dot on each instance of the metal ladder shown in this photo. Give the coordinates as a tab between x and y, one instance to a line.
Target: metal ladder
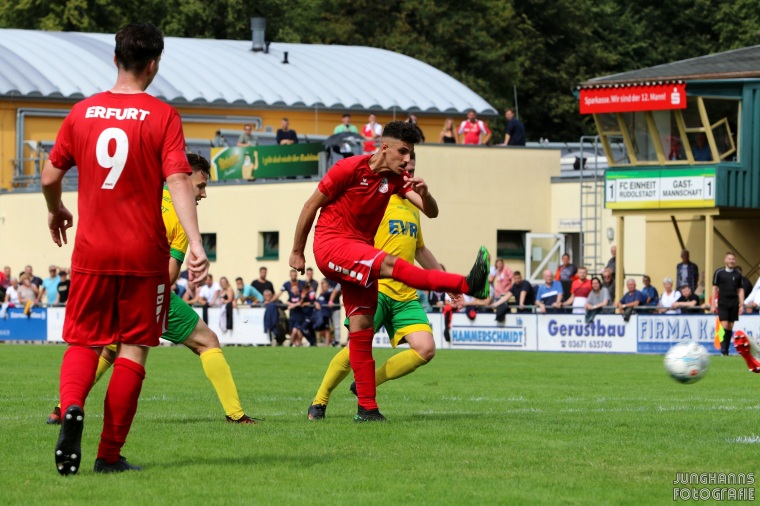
592	199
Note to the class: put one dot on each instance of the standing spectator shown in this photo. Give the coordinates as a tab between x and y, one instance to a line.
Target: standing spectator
345	126
566	273
701	149
310	281
295	309
608	282
687	272
597	299
323	313
226	293
746	283
5	278
727	298
246	294
472	130
285	135
579	290
752	301
549	295
63	289
120	289
27	293
651	297
291	287
36	281
413	120
50	287
372	132
448	135
245	139
669	297
523	292
502	279
515	135
611	263
632	299
262	283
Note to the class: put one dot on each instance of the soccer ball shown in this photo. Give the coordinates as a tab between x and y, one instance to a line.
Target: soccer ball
687	362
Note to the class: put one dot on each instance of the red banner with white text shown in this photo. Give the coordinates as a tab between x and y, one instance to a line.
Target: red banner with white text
653	97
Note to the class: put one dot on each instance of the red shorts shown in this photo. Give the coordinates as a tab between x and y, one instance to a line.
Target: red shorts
104	310
356	266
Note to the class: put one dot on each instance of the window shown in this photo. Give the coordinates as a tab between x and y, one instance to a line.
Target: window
707	131
209	245
269	246
510	244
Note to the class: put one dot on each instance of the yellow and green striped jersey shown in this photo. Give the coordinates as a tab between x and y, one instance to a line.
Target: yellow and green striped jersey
400	235
175	234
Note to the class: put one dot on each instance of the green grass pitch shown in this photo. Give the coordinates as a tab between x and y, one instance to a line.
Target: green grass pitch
473	427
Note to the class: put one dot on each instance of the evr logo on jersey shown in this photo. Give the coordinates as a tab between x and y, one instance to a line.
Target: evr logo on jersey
396	227
97	111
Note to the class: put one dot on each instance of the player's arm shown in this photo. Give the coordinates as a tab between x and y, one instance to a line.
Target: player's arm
59	218
420	196
183	197
305	221
714	304
174	267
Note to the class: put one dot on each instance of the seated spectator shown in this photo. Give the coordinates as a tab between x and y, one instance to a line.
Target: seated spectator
49	287
501	279
5	278
245	139
523	293
285	135
632	299
190	294
27	294
668	298
597	299
208	294
246	294
688	302
608	282
549	295
579	290
752	301
11	293
651	297
422	295
701	149
63	289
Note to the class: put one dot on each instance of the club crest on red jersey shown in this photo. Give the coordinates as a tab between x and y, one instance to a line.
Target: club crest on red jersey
383	186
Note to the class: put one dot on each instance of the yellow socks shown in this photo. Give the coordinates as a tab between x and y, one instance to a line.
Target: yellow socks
218	372
398	365
103	366
337	371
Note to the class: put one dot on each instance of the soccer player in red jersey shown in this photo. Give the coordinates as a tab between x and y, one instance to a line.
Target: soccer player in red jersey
353	197
125	143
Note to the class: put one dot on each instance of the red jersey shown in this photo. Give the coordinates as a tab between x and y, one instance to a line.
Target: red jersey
473	131
358	198
124	146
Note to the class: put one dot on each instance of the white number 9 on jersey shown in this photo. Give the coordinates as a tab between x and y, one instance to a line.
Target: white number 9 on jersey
116	162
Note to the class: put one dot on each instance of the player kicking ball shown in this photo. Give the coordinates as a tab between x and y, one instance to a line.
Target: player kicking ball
353	197
185	326
399	310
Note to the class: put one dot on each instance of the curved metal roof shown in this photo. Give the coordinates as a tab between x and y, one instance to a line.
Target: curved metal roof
73	65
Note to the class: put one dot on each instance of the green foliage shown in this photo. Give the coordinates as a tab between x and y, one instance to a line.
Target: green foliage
472	427
544	48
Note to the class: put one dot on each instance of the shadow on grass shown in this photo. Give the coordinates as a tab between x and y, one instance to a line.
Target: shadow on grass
193	460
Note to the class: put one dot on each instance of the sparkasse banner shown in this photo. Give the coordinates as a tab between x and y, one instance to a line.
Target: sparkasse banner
653	97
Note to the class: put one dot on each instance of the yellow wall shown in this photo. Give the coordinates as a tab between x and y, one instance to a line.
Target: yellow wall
479	190
320	122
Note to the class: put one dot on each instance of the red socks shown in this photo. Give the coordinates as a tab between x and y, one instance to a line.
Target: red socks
360	355
120	407
428	280
77	375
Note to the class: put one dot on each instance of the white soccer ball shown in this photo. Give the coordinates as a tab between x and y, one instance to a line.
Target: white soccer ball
687	362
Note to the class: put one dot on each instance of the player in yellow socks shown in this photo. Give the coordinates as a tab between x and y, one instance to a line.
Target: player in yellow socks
398	309
185	326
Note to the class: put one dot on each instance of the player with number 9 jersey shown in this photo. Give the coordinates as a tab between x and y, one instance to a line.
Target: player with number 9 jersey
124	146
